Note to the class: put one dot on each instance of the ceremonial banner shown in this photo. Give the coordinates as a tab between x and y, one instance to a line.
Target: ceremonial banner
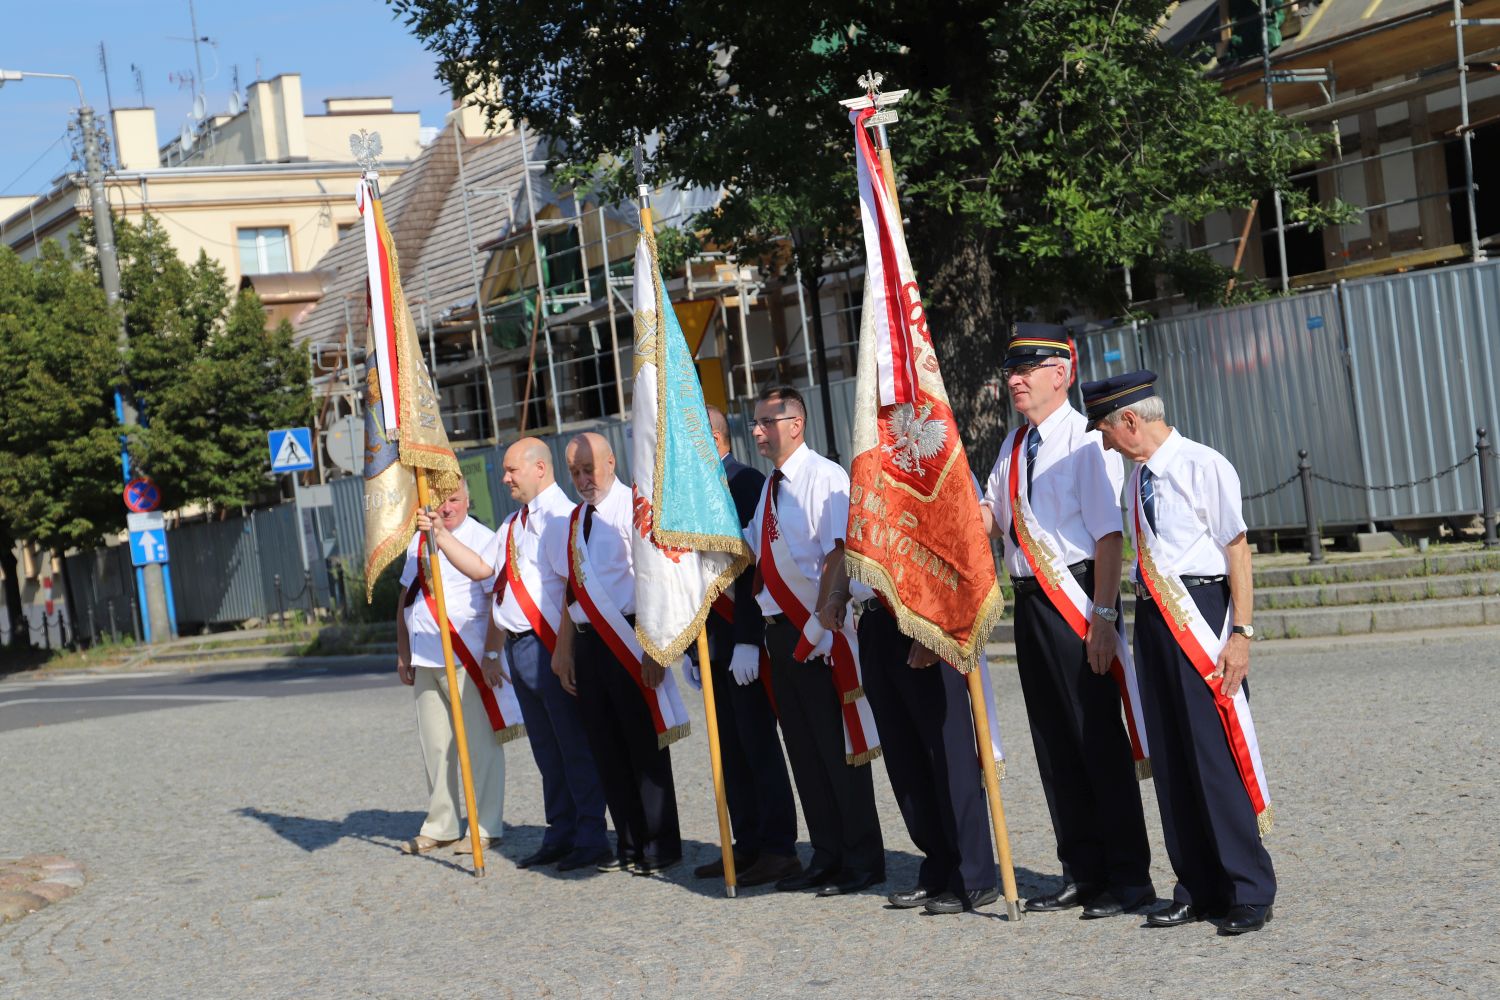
403	428
688	546
915	532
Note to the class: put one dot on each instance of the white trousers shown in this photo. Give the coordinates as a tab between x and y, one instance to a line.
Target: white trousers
440	754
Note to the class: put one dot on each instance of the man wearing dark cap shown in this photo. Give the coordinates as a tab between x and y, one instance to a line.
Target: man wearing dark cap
1054	498
1194	602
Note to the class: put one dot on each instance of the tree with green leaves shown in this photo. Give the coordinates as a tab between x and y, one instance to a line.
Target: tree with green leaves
1046	145
59	448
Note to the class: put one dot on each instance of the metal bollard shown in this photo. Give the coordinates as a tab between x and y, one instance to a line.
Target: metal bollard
1310	509
46	633
280	605
312	612
343	594
114	633
1487	487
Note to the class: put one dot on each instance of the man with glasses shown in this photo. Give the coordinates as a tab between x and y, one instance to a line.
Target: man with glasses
797	534
1054	498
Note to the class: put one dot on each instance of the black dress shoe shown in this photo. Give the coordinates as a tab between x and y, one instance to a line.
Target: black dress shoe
810	879
583	857
909	899
614	864
650	866
544	855
1113	902
769	868
715	868
1244	918
1175	915
1066	898
952	902
848	882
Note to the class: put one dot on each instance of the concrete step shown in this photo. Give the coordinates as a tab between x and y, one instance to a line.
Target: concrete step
225	652
1363	570
1361	619
1389	591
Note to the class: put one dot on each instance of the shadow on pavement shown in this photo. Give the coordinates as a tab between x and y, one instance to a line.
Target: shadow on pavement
376	826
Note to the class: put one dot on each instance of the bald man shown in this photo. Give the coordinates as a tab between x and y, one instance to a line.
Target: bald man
635	769
761	809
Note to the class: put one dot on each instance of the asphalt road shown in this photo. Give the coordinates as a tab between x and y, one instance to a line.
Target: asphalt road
49	701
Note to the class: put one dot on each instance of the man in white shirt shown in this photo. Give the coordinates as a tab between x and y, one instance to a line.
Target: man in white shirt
1072	490
636	772
810	496
419	663
1190	535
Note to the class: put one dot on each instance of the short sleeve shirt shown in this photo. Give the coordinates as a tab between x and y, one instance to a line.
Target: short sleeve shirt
467	600
609	548
812	510
547	513
1198	507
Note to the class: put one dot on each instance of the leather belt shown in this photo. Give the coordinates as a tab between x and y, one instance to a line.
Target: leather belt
1031	585
583	627
776	619
518	636
1144	594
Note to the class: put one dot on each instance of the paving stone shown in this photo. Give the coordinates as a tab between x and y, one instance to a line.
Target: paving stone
50	891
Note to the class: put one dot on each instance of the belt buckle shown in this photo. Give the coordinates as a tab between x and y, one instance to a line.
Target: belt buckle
1142	592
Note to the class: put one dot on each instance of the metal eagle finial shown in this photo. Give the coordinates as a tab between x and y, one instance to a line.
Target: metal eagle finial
366	147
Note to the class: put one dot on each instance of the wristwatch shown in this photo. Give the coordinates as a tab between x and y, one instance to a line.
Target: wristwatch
1107	614
1247	630
492	656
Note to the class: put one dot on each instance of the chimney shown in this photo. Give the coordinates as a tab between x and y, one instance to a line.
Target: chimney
276	131
135	138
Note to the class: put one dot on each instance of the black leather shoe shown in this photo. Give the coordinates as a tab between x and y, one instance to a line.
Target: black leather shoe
650	866
909	899
810	879
1244	918
1066	898
848	882
715	868
1113	902
613	864
952	902
543	856
583	857
1175	915
769	868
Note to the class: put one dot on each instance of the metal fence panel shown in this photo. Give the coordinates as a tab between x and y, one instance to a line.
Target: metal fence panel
216	573
1424	348
1102	353
101	592
1257	383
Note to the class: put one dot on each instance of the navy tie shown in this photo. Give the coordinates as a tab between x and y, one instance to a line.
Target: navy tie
1033	444
1148	496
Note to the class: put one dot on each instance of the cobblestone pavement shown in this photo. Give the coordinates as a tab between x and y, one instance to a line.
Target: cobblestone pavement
248	849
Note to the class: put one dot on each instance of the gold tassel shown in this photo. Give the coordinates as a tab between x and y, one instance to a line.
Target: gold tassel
1000	769
1265	821
857	759
509	733
672	735
854	694
1143	769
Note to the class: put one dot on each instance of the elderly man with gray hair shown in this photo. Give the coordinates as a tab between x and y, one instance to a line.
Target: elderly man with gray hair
1194	603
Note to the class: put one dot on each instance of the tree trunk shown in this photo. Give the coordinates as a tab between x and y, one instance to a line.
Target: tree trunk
20	631
969	328
813	277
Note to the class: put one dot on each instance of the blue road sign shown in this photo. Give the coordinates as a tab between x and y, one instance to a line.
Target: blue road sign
291	449
147	547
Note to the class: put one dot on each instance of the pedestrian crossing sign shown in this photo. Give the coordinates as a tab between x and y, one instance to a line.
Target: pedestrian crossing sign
291	449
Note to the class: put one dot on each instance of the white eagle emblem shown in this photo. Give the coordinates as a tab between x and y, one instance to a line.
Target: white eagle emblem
914	436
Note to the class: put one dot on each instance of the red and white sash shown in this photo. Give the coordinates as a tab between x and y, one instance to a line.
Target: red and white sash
796	595
1202	644
724	607
525	584
1063	590
500	704
668	714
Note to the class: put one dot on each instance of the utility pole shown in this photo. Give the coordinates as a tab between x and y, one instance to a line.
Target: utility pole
155	608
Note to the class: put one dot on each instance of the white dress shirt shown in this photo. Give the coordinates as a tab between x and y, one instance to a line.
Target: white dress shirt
609	553
1198	507
465	600
547	512
812	511
1075	489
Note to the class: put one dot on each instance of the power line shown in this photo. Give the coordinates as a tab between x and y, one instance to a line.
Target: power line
34	163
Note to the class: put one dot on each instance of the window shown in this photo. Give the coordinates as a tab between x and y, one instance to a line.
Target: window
265	251
345	228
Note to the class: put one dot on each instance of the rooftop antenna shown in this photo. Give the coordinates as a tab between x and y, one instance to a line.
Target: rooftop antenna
104	68
140	83
200	105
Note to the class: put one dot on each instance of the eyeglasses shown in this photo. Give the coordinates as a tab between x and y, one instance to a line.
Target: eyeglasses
764	423
1026	371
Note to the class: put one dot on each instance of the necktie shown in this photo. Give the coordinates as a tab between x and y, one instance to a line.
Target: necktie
1033	444
776	478
588	523
524	512
1148	496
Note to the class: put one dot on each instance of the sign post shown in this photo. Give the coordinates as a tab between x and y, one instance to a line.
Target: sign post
291	451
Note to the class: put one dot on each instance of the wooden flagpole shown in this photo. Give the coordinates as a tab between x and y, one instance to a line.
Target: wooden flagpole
710	711
455	702
974	676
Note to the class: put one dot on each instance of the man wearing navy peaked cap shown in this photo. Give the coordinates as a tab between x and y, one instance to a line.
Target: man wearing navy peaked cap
1054	498
1194	602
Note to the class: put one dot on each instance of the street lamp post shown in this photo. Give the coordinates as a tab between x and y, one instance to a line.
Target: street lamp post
154	603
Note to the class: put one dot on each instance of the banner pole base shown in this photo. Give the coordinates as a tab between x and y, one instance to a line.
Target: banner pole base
729	891
1013	910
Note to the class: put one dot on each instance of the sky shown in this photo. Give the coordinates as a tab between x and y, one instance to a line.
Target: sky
342	48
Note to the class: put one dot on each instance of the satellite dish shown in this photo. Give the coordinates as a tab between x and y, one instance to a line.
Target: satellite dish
200	107
346	443
234	103
185	141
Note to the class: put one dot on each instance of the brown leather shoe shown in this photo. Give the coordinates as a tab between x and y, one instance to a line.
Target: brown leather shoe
770	868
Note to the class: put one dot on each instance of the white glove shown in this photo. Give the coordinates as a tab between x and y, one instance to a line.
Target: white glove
692	673
823	647
820	638
745	663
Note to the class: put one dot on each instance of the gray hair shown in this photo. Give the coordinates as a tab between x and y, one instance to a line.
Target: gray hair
1148	410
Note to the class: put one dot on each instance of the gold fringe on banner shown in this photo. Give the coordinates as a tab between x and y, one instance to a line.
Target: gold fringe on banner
857	759
672	735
